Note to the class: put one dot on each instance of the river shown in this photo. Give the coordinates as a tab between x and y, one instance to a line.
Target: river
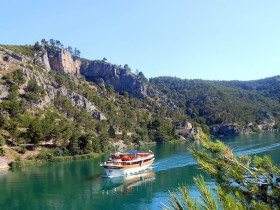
79	184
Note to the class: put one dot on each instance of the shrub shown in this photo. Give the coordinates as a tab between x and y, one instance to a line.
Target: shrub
45	155
6	58
22	150
18	77
2	151
57	152
2	140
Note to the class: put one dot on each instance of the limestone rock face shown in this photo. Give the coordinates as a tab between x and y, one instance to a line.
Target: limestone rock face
44	60
102	73
191	134
121	79
76	99
268	122
13	55
62	61
229	130
3	92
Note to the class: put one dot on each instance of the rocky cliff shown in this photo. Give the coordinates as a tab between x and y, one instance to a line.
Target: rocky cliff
233	129
100	72
121	79
60	60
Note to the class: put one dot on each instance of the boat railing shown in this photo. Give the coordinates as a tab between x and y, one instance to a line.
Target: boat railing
122	163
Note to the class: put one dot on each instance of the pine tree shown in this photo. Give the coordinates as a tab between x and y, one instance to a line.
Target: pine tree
242	183
44	42
111	132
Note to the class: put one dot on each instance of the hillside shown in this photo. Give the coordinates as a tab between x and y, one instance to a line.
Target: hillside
54	103
226	107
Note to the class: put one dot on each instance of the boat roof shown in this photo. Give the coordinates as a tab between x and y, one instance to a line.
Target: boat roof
133	151
129	152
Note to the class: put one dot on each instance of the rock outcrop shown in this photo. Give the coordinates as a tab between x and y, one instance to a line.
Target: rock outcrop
267	123
13	55
121	79
229	130
191	134
4	66
52	91
43	58
61	60
81	102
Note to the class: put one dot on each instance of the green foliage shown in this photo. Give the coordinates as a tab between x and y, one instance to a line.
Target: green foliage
18	77
58	152
2	140
37	46
85	142
218	102
12	127
160	131
63	80
111	132
68	126
2	151
34	91
104	141
27	50
35	131
73	145
207	198
96	145
250	183
241	183
45	155
22	150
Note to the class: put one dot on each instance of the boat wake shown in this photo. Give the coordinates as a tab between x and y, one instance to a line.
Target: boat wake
175	161
183	159
257	150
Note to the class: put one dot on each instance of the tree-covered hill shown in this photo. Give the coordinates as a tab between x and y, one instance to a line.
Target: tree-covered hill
53	101
46	103
251	104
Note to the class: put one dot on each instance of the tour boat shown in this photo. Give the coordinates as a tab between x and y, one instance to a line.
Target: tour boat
129	162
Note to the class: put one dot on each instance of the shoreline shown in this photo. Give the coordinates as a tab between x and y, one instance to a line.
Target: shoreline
24	163
4	163
7	164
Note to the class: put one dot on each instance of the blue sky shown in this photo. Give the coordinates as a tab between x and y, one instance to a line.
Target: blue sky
221	40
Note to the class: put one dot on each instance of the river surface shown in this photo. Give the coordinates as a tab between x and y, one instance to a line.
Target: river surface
79	184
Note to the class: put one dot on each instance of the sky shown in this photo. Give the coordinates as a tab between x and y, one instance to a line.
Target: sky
202	39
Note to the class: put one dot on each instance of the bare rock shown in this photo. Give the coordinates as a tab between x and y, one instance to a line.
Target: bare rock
3	92
229	130
62	61
43	58
191	134
4	66
121	79
77	100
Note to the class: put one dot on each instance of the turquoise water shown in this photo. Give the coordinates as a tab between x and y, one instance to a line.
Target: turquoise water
79	184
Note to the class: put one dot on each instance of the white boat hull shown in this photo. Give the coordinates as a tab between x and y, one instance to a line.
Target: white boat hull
126	171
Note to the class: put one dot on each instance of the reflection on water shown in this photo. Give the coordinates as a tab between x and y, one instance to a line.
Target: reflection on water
80	185
126	184
3	172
